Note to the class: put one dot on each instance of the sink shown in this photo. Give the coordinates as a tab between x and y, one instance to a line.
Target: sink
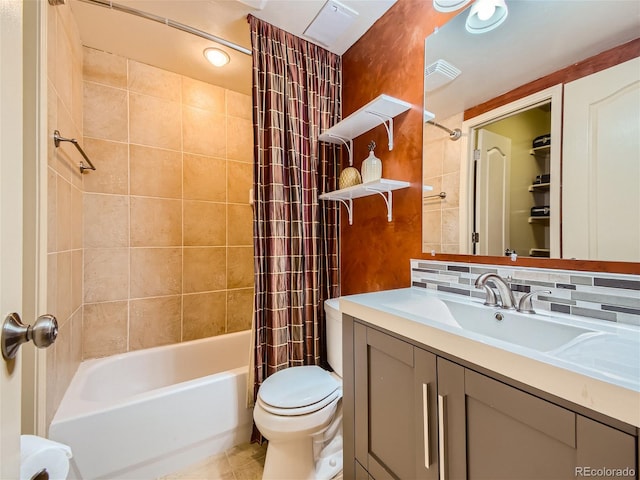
526	330
614	355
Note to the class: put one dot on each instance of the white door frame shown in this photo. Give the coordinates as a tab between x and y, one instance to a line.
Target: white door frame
469	127
10	225
23	143
35	214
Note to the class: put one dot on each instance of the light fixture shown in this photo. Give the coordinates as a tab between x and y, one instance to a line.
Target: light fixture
449	5
485	15
216	57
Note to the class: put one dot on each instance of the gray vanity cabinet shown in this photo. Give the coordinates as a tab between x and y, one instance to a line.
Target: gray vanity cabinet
407	409
395	386
495	431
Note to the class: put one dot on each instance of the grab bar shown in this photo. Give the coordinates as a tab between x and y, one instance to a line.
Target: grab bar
57	139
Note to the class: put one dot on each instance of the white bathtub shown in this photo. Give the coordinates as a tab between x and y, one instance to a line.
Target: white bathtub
144	414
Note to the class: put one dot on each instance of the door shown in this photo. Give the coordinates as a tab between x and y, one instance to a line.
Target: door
492	193
10	224
601	165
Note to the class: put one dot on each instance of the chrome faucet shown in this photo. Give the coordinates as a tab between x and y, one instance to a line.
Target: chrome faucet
506	295
525	305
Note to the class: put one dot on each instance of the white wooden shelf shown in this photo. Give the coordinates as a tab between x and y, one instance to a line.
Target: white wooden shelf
383	187
381	110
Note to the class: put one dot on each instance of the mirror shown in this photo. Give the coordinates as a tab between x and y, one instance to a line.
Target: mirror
538	38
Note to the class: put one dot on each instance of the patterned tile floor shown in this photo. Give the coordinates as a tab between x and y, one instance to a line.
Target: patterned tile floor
244	462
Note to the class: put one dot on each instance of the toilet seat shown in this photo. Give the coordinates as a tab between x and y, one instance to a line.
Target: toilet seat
298	391
306	409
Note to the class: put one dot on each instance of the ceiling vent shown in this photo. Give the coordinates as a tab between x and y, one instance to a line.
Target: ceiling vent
439	73
331	22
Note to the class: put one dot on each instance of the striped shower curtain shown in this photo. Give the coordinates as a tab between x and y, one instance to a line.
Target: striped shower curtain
296	96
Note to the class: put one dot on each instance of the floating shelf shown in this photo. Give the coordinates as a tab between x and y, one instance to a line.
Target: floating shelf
376	112
383	187
539	187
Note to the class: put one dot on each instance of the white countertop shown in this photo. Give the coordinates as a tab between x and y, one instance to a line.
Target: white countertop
613	391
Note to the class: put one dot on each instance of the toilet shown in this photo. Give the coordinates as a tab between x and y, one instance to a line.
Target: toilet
299	411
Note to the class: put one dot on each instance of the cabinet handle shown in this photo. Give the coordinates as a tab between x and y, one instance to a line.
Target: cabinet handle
442	436
425	413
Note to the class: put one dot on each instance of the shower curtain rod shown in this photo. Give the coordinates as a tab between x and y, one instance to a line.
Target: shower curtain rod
453	134
166	21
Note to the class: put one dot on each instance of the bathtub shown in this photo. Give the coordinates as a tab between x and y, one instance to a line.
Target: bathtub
148	413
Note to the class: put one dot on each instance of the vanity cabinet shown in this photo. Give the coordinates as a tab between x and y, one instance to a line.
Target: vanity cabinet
395	386
414	414
493	430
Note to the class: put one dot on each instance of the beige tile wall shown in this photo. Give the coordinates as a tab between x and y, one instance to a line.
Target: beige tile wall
64	201
167	222
441	170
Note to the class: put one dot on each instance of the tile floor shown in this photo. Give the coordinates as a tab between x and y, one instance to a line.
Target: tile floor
244	462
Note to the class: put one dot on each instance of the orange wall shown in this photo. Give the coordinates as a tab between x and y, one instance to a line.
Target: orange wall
388	59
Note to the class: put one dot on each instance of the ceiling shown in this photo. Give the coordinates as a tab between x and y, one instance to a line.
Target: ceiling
156	44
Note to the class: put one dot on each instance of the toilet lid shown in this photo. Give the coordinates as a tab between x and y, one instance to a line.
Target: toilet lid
297	387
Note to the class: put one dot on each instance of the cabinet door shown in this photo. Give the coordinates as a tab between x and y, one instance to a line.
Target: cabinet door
395	407
603	447
509	434
514	435
452	448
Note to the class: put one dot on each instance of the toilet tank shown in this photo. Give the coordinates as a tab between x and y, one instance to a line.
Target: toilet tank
334	334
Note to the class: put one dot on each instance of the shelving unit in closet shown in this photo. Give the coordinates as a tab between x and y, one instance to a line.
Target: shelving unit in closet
541	200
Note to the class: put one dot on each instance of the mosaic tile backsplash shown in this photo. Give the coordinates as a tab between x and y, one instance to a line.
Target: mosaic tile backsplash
604	296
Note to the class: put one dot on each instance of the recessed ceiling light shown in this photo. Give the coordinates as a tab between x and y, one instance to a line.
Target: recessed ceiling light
485	15
216	57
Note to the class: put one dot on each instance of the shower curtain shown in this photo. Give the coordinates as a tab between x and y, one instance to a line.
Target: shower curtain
296	96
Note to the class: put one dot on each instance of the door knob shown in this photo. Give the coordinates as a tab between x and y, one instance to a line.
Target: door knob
14	333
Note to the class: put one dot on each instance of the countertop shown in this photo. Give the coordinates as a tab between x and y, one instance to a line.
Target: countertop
614	392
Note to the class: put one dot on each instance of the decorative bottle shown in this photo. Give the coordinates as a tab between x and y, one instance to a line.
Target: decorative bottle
372	166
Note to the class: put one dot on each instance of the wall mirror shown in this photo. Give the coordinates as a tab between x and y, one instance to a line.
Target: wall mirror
539	37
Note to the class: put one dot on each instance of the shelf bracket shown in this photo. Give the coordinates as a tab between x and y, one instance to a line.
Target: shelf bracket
347	143
349	208
387	121
388	199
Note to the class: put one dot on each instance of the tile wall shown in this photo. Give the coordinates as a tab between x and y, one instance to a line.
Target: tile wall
64	202
604	296
168	253
441	170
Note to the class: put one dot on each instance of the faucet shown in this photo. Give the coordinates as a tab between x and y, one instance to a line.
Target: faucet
506	296
525	305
